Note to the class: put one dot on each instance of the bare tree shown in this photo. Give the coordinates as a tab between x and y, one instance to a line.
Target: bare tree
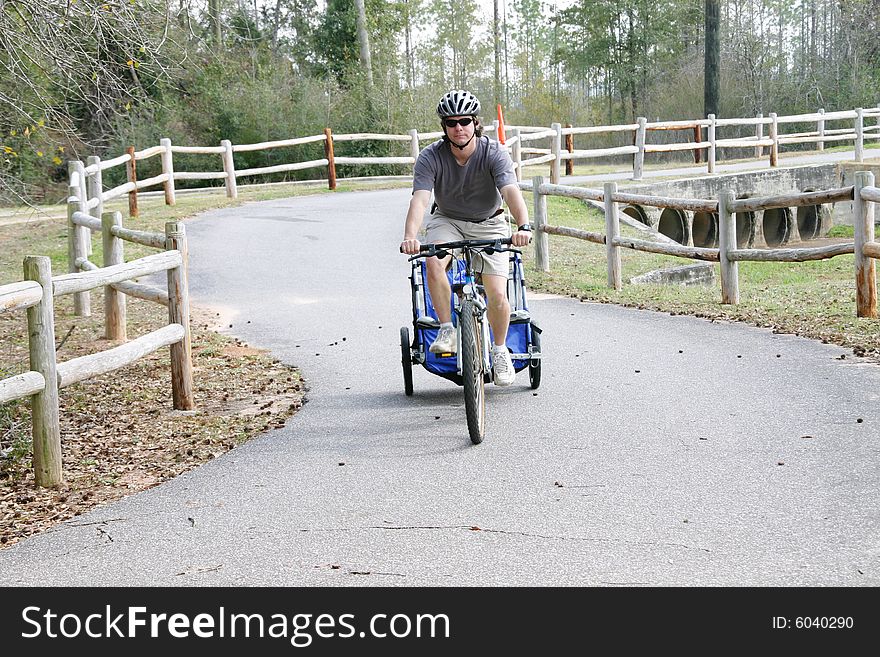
74	69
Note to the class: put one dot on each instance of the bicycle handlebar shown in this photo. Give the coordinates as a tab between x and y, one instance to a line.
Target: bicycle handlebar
441	250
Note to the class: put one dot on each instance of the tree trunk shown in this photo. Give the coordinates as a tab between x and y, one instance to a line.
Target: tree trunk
276	23
712	59
410	59
364	41
497	38
216	26
506	73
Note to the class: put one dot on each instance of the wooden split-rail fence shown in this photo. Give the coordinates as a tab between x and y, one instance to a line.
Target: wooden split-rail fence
36	294
519	140
863	194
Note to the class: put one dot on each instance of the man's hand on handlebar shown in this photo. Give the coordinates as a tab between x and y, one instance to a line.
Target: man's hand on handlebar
410	247
521	238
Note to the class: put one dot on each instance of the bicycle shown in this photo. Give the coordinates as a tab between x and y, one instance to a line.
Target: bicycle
472	366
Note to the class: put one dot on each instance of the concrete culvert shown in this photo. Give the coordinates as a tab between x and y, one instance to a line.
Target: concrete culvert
704	229
673	225
638	213
808	222
745	229
775	224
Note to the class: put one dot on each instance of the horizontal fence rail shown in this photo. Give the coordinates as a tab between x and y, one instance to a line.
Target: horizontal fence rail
21	385
89	280
19	296
87	367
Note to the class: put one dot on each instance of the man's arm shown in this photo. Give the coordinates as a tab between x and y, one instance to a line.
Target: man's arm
517	206
417	206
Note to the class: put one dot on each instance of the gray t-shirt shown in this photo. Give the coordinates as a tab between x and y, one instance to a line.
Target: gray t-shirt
469	192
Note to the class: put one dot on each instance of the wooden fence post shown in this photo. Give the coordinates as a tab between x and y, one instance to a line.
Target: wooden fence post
820	128
331	162
726	244
639	156
229	168
46	430
774	137
178	313
517	153
542	249
414	145
612	230
95	186
569	146
114	302
168	168
495	129
863	222
698	137
131	169
860	135
710	162
759	135
76	237
556	150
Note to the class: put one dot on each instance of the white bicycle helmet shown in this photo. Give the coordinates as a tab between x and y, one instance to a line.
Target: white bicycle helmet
458	103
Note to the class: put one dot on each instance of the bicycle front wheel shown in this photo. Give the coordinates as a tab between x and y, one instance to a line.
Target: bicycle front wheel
472	371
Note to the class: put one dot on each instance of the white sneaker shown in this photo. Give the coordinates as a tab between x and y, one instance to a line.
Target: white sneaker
445	342
502	367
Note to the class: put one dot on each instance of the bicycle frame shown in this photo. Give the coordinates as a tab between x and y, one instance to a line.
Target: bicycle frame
474	292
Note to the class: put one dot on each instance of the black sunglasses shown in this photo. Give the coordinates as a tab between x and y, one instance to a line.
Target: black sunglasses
451	123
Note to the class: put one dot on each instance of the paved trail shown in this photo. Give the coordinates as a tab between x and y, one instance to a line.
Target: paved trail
659	450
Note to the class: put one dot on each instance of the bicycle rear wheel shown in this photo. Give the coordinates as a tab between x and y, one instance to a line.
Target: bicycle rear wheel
406	361
535	365
472	372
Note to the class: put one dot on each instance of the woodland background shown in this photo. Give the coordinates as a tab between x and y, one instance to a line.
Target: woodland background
82	77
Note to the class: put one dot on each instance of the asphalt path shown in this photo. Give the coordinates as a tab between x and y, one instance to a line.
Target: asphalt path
659	450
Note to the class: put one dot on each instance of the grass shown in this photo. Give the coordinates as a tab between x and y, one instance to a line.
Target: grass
814	299
842	230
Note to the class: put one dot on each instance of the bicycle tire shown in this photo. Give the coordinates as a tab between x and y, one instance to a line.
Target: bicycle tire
406	361
472	372
535	365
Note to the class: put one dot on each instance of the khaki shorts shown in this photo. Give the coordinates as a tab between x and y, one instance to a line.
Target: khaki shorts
440	228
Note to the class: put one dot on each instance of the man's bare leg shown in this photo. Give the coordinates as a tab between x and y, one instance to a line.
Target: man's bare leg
438	285
498	307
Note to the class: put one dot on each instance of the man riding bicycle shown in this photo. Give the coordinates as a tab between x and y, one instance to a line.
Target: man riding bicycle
469	175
